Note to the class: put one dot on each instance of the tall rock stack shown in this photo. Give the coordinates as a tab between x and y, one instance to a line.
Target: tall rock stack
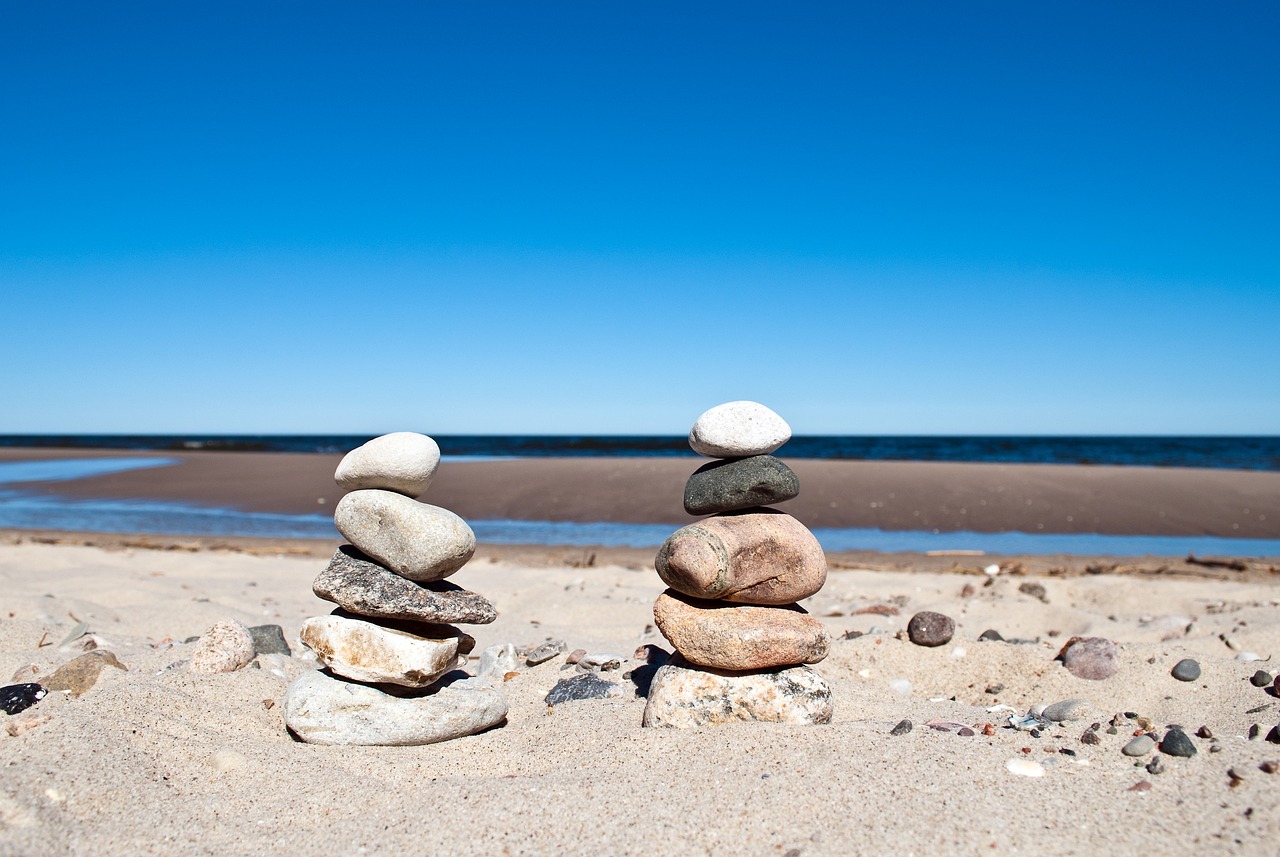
390	647
741	641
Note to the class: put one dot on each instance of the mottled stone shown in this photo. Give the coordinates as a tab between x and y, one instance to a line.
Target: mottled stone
763	557
1139	746
402	461
415	540
1176	743
322	709
544	652
927	628
684	696
1092	658
737	429
497	661
224	648
367	652
79	674
359	585
903	727
583	686
739	636
269	640
1068	710
15	698
739	483
1185	670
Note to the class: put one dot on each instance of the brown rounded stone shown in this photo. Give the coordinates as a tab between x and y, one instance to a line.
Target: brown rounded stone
740	637
757	557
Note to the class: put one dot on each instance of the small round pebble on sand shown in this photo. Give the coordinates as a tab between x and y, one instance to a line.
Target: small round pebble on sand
927	628
1186	670
1139	746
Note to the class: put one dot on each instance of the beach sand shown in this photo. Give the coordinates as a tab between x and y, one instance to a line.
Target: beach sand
158	760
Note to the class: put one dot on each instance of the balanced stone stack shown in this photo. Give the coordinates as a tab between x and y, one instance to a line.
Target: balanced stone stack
390	648
741	640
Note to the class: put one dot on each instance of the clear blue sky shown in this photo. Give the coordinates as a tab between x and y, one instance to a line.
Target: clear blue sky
604	217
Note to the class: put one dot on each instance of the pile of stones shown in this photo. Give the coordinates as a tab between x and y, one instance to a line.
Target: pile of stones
390	649
741	641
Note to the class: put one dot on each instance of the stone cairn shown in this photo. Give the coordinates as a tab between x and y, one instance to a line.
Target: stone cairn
741	641
390	648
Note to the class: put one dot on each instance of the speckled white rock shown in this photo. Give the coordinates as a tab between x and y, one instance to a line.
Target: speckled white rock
683	696
737	429
417	541
321	709
366	652
224	648
402	461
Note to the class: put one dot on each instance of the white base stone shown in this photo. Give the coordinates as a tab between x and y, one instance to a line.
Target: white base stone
683	696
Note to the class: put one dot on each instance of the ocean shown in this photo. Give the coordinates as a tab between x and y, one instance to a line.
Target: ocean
25	510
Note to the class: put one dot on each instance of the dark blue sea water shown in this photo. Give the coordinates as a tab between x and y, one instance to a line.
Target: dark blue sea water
1233	453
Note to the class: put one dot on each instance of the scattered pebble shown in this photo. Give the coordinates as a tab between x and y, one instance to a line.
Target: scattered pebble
1092	658
1066	710
269	640
993	689
596	662
224	648
1203	732
1186	670
1176	743
1141	786
1246	657
575	656
1035	590
1155	766
1139	746
1024	768
1269	767
1261	678
1090	737
544	652
927	628
1254	731
583	686
1273	737
79	674
497	661
990	635
1235	777
19	697
903	727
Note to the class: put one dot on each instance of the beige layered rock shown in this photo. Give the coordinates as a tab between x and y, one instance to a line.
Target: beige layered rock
740	637
366	652
762	557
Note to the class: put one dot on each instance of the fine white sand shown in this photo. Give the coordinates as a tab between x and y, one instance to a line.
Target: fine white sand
156	761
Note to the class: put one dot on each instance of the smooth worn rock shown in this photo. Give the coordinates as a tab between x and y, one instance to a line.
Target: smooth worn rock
78	675
1139	746
739	483
497	661
600	662
224	648
1261	678
763	557
269	640
415	540
359	585
1068	710
990	636
15	698
927	628
737	429
1092	658
583	686
544	652
903	727
683	696
739	636
364	651
402	461
1176	743
1185	670
322	709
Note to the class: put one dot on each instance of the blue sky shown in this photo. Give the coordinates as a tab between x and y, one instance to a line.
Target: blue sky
588	217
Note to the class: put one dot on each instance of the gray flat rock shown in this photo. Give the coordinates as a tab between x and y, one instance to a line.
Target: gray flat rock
739	483
322	709
682	696
358	585
415	540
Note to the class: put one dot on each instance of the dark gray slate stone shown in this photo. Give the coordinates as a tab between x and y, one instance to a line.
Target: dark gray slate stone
359	585
584	686
739	483
903	727
1261	678
1176	743
1186	670
16	698
269	640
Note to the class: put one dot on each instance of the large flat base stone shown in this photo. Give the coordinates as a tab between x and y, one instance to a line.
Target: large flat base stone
683	696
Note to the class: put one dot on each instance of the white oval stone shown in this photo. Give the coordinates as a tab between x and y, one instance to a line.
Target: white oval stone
403	461
737	429
367	652
321	709
417	541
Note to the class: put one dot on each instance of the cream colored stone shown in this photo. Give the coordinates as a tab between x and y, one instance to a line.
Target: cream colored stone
364	651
